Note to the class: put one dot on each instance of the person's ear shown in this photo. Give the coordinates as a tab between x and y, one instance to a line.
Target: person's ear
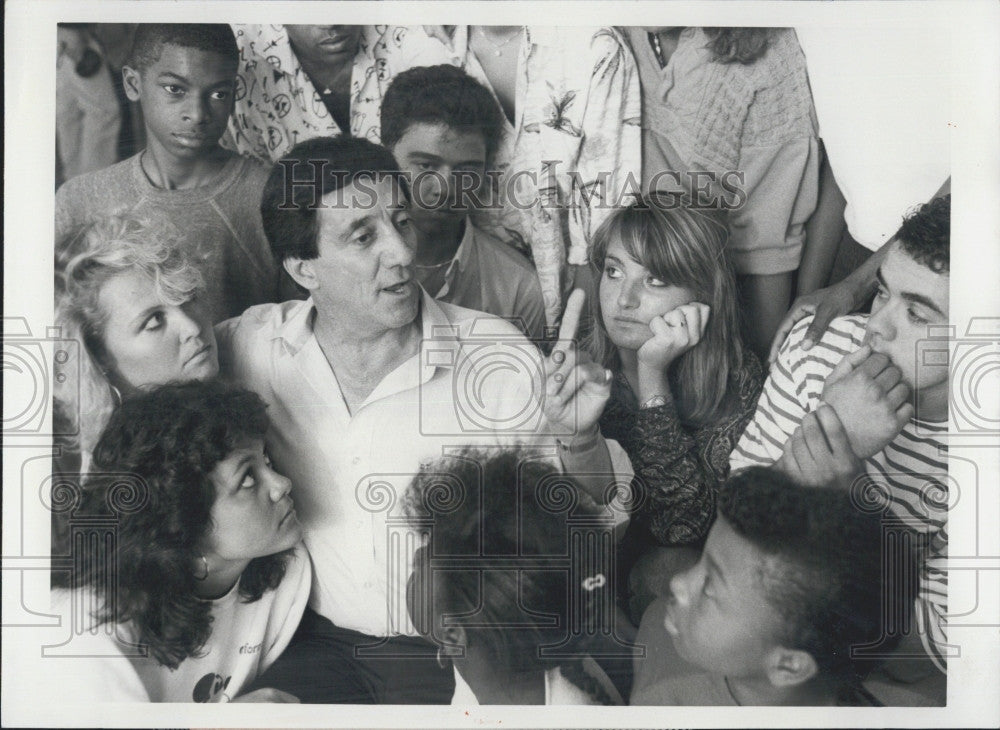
302	272
130	80
789	667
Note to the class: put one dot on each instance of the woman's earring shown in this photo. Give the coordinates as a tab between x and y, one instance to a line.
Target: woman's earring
204	562
116	395
440	659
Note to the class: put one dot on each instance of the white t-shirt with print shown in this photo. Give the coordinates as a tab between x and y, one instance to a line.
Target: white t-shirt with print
246	639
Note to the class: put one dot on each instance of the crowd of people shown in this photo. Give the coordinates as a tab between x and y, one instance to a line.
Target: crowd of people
500	365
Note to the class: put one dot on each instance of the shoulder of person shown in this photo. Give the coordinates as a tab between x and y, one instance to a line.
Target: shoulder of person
475	325
298	569
292	594
505	254
257	325
83	187
844	335
253	170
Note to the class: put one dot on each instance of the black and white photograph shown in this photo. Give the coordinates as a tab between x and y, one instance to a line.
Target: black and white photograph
383	371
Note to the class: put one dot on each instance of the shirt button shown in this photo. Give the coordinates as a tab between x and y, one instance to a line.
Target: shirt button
356	460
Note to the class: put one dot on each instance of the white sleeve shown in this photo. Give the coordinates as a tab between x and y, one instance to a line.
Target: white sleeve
87	666
288	607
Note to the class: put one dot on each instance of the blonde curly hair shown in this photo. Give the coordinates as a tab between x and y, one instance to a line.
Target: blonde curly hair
101	250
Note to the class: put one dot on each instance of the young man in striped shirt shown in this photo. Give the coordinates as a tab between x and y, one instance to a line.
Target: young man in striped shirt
871	398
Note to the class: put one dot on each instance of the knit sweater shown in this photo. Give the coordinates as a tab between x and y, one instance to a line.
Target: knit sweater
220	223
710	128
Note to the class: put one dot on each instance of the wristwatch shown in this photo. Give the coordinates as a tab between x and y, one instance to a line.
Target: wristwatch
655	402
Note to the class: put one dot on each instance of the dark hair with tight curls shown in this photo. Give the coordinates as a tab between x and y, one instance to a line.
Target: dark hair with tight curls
298	182
169	439
738	45
509	504
443	94
823	569
926	235
150	38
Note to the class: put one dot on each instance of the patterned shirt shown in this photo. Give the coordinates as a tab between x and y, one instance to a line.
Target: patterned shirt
277	105
576	138
911	472
678	468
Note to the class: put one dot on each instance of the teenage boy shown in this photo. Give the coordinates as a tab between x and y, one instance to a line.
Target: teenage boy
443	128
183	77
871	397
789	582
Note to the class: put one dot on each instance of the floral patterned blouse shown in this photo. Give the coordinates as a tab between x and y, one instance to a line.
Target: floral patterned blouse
678	468
576	137
278	106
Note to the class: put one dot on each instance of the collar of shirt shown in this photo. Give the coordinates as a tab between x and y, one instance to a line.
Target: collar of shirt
460	261
297	332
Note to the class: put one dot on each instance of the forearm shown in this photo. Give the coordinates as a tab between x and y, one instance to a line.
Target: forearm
588	461
823	234
677	491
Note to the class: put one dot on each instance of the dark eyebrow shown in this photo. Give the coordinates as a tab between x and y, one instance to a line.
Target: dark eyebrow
424	155
359	223
171	76
167	75
911	296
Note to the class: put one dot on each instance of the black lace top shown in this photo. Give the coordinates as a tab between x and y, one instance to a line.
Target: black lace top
679	468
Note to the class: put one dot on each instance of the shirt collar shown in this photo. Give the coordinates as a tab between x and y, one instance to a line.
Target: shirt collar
297	330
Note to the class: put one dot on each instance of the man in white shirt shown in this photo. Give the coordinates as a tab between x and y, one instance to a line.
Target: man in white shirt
365	380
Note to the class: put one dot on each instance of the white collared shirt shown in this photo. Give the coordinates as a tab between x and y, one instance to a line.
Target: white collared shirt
349	471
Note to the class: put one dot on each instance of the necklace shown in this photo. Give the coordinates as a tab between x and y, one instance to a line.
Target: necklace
498	47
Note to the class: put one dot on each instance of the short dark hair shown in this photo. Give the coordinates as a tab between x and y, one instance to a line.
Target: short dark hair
149	39
291	224
926	234
169	438
823	569
515	505
441	94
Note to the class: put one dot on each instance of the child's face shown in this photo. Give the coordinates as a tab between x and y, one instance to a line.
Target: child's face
718	617
186	98
441	161
253	514
911	298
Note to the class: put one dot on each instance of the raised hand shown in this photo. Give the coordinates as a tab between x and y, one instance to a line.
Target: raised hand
819	453
871	400
576	388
